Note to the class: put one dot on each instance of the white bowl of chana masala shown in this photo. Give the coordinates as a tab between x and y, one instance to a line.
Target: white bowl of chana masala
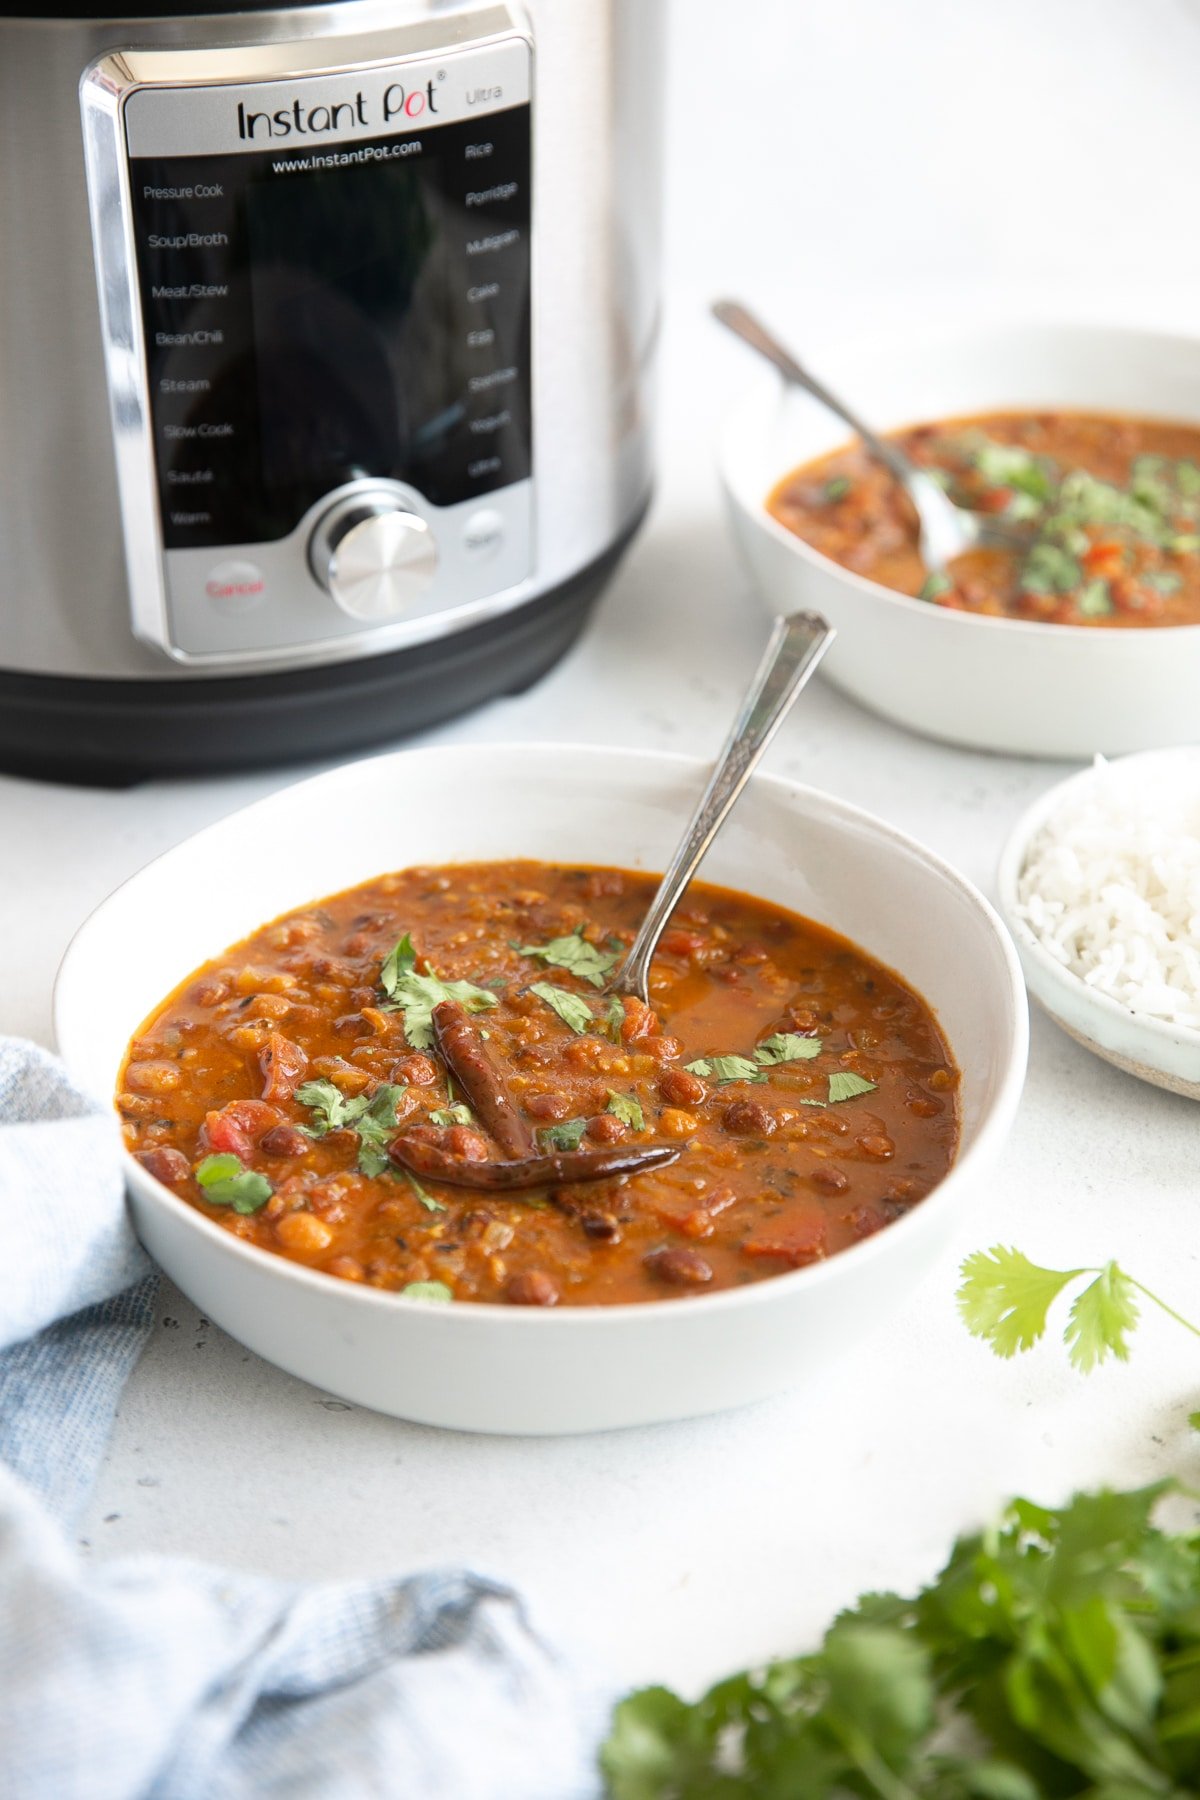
1084	639
385	1126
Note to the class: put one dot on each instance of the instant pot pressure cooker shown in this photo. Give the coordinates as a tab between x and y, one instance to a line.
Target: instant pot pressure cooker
326	339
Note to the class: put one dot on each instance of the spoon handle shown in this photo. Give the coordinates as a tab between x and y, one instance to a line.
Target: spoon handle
798	642
743	324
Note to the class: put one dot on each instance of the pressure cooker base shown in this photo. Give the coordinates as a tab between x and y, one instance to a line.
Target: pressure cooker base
113	733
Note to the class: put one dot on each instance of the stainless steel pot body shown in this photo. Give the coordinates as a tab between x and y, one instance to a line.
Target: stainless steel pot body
65	606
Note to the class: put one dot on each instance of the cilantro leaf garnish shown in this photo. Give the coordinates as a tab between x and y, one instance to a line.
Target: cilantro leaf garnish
427	1290
1083	499
1005	1299
627	1109
330	1107
416	995
571	1008
614	1017
227	1182
844	1084
458	1114
373	1117
1009	466
400	961
786	1047
376	1127
1095	601
724	1069
934	585
836	489
1049	569
564	1136
576	955
1101	1318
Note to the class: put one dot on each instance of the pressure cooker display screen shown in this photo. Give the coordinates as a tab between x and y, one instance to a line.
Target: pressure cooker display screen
324	315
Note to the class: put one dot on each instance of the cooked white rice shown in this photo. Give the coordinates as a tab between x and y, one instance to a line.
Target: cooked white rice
1111	886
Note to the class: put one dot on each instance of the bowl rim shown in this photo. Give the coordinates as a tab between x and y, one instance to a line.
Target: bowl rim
992	1127
769	393
1009	868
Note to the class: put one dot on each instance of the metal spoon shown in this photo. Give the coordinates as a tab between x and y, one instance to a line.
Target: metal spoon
798	643
946	530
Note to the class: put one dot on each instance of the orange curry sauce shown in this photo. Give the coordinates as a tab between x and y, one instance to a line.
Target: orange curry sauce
1111	506
279	1038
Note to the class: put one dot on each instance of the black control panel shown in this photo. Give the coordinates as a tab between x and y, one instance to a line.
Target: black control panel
313	316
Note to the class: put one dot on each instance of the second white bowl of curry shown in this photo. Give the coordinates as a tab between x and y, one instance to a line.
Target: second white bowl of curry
1120	677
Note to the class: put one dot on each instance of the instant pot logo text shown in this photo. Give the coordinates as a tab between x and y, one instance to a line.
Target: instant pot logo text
397	102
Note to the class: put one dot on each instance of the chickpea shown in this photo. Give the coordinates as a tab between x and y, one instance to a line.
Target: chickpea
268	1006
153	1077
304	1233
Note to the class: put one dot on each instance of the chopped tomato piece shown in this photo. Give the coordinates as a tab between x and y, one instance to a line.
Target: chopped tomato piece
236	1128
1105	558
683	943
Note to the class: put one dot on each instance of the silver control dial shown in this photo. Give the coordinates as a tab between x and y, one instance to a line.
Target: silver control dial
373	558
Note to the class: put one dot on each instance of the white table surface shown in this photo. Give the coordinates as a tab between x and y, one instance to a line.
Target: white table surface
681	1551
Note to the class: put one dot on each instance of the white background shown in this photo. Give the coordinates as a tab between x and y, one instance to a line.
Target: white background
845	164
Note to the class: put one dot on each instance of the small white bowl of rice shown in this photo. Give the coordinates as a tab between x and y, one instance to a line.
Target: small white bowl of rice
1099	884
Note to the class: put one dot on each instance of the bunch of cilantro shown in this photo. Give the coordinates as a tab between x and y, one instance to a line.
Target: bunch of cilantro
1057	1654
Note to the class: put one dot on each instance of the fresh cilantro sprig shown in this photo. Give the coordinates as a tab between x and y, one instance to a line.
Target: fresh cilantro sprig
575	954
458	1114
1010	466
844	1084
627	1109
1049	569
372	1117
786	1047
724	1069
416	995
1005	1299
1055	1654
566	1135
330	1108
571	1008
227	1182
782	1047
